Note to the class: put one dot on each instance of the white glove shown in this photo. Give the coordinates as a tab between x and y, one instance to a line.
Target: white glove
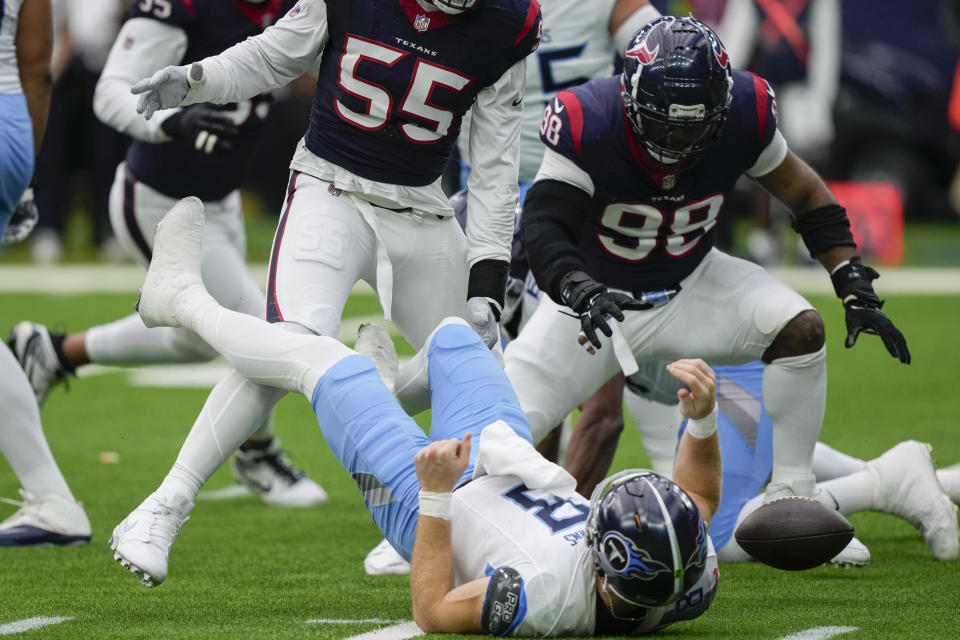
23	220
480	317
166	88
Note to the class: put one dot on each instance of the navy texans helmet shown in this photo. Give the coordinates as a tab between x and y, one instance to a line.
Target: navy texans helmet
648	542
676	88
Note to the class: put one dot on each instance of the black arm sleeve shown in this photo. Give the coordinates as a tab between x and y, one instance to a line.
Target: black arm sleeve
553	213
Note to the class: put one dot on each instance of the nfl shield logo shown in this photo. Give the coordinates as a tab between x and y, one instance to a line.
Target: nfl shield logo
669	181
422	23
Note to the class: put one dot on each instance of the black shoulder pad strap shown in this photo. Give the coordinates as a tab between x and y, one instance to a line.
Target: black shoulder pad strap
504	604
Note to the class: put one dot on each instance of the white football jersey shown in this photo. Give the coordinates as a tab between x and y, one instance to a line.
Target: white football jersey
9	71
576	46
496	521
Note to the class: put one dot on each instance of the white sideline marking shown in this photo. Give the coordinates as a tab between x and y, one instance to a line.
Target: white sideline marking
99	278
126	278
345	621
19	626
226	493
819	633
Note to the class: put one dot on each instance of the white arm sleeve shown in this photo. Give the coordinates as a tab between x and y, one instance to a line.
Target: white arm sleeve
270	60
494	166
142	47
770	158
629	27
557	167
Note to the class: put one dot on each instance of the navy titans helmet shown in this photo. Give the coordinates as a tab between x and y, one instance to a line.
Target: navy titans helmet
648	542
676	88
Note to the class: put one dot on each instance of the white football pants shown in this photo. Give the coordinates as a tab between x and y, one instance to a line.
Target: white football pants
327	241
728	312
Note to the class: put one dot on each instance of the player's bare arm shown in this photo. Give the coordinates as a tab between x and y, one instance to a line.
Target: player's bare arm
825	230
698	466
438	606
34	44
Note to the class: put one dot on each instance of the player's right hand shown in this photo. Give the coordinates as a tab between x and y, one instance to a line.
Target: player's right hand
441	464
700	395
166	88
204	128
603	305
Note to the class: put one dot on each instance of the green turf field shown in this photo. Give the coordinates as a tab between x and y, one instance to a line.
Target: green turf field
243	570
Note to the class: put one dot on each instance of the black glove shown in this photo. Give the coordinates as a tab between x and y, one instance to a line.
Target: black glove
593	303
863	308
23	219
208	130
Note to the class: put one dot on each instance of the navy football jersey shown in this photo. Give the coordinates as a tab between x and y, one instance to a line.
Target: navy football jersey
650	228
396	80
176	168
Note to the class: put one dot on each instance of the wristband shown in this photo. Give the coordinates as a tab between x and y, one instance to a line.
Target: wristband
704	427
435	504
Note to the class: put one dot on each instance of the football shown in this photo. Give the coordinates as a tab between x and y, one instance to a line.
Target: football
794	533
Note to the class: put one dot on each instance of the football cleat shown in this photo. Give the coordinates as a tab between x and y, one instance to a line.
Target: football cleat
33	347
803	486
141	542
384	560
906	486
173	280
45	520
855	554
268	473
374	342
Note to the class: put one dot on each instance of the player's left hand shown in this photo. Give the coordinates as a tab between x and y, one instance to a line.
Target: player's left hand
23	219
480	316
601	307
700	395
441	464
863	308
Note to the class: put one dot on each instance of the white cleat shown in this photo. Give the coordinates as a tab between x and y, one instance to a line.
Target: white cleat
45	520
383	560
906	486
268	473
803	486
33	347
855	554
142	541
374	342
174	274
949	479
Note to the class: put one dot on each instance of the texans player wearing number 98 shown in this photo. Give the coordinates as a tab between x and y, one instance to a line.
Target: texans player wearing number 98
364	200
621	218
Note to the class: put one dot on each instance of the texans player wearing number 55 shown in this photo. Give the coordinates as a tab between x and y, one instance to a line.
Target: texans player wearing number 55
622	218
364	200
202	150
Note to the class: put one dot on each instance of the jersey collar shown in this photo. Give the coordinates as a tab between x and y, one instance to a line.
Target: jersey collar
423	20
262	15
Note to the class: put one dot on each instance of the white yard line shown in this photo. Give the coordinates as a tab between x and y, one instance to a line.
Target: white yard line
396	632
19	626
819	633
345	621
126	278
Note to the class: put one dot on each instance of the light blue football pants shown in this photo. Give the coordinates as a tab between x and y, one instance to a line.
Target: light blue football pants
375	440
16	153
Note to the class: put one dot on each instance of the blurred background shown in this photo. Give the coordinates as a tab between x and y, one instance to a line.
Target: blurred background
868	93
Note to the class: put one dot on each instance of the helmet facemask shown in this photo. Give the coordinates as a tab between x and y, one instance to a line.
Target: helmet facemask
647	540
453	7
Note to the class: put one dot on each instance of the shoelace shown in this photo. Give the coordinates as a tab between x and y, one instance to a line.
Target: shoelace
281	464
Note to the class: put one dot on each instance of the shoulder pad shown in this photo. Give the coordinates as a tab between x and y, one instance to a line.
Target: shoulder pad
562	126
505	603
